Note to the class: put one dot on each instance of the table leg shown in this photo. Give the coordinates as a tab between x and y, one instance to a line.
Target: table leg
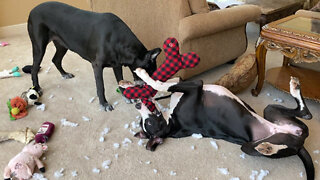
261	52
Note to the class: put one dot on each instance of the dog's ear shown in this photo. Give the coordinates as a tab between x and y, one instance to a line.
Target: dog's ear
140	135
153	143
153	54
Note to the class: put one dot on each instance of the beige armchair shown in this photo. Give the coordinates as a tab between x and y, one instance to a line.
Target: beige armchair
216	36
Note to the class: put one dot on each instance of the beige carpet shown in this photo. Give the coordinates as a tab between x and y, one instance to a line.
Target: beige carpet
69	145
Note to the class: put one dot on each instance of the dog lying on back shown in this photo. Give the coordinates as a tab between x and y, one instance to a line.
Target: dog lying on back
103	39
215	112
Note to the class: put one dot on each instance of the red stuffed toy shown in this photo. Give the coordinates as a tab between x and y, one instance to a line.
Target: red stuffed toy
173	63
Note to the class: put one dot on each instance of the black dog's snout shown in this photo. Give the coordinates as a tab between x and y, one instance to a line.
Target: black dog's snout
138	105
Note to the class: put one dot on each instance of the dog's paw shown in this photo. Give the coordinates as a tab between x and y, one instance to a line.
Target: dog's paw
67	76
142	73
295	87
106	107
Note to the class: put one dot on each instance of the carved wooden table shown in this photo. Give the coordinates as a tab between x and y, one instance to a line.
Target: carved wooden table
297	38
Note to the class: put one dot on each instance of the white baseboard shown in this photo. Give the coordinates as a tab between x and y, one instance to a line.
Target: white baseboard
14	30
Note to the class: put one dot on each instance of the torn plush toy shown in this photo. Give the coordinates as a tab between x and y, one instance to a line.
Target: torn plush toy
10	73
173	63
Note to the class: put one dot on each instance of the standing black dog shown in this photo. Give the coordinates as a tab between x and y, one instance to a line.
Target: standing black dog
213	111
103	39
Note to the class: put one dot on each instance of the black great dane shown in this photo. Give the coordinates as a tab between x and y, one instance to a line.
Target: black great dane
103	39
215	112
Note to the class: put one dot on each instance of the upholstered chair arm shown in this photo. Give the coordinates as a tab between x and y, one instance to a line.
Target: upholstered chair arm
200	25
311	14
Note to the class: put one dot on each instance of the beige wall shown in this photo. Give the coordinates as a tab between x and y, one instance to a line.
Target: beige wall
17	11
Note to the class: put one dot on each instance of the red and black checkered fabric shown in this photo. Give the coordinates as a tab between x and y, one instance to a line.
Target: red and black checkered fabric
173	63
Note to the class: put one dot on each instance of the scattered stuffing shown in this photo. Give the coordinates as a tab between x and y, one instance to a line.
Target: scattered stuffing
134	125
234	178
59	86
141	142
37	176
96	170
138	117
44	158
173	173
155	171
224	171
41	107
86	157
48	69
92	99
126	141
65	122
59	174
268	94
197	136
253	175
77	70
51	96
196	178
132	131
85	118
116	156
148	162
74	173
106	164
214	144
126	126
263	173
116	145
316	161
243	155
105	131
101	139
316	151
70	98
278	100
115	103
193	147
301	174
10	60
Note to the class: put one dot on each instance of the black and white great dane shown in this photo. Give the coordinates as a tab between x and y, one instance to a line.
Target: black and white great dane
103	39
215	112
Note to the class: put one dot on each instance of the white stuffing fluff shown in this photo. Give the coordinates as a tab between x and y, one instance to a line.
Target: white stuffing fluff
105	131
101	139
59	173
141	142
51	96
193	147
134	125
77	70
132	131
85	118
86	157
116	156
41	107
70	98
74	173
116	145
10	60
253	175
115	103
65	122
126	126
92	99
243	155
37	176
263	173
148	162
155	171
137	117
106	164
234	178
126	141
301	174
316	161
48	69
173	173
224	171
96	170
268	94
214	144
197	136
316	151
44	158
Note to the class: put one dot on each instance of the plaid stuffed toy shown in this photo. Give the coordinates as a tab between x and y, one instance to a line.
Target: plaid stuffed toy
173	63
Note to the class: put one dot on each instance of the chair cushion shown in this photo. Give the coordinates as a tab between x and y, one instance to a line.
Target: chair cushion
199	6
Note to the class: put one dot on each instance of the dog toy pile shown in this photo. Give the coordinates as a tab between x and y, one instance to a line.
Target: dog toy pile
18	105
22	165
173	63
10	73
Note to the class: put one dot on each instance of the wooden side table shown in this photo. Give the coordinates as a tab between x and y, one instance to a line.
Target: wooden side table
297	38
